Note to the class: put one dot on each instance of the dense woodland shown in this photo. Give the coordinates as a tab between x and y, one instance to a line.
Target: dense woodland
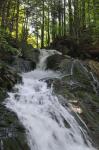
40	22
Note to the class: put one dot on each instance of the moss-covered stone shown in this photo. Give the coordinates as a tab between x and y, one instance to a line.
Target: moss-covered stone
8	77
54	61
12	133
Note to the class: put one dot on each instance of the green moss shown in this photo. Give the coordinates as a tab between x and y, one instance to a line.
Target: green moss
2	94
95	98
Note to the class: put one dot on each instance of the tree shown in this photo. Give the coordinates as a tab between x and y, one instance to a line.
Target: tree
42	25
44	21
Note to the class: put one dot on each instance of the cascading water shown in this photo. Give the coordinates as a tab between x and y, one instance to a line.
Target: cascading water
44	54
48	124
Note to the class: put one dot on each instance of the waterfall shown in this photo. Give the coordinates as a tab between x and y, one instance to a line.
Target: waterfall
49	125
44	54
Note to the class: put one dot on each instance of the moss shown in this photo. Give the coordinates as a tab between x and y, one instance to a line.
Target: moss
3	94
15	143
95	98
8	77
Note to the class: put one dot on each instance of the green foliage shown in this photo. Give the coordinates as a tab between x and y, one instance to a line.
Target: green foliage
4	45
40	22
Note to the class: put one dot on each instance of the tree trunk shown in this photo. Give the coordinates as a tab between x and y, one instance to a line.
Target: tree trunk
64	17
54	32
89	12
59	17
76	20
70	18
3	14
83	15
48	26
17	19
42	26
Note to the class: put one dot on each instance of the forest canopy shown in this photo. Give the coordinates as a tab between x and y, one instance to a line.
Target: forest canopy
39	22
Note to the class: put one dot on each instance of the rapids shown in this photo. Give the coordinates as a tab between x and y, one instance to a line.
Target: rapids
49	125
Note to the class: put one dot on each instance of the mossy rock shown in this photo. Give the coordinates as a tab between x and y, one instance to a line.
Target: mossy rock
54	61
12	133
8	77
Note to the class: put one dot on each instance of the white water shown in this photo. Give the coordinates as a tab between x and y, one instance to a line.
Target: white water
43	56
41	113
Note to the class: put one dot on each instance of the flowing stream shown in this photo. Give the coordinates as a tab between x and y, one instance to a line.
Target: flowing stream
48	124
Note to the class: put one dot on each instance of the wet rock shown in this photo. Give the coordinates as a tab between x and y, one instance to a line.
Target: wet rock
12	133
54	61
31	54
8	77
22	65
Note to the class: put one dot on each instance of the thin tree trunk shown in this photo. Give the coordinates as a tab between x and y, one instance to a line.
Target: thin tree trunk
59	18
48	27
94	11
3	14
76	20
17	19
54	32
89	12
8	14
70	18
64	17
42	27
37	38
62	24
83	15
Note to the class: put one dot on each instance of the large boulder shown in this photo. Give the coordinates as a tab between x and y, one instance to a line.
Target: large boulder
8	77
53	61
